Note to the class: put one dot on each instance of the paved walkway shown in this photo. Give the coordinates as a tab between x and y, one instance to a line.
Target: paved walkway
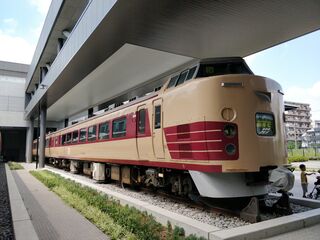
297	190
51	217
309	233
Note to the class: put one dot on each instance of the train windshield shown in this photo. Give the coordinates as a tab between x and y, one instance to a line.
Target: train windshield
215	69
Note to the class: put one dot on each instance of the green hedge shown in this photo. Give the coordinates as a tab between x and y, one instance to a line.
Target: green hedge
15	166
298	159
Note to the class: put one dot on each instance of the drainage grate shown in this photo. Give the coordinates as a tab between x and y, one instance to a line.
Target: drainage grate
6	227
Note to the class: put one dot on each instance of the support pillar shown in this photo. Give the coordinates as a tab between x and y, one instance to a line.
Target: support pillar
29	139
42	142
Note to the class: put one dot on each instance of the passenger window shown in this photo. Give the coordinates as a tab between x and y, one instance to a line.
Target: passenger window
47	142
104	131
172	82
56	141
63	139
191	73
92	133
157	117
119	128
83	133
142	121
68	138
75	136
182	77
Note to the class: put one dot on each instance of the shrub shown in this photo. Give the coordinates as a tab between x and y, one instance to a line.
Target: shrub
297	159
15	166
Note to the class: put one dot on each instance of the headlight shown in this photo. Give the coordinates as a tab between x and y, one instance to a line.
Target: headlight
230	149
229	130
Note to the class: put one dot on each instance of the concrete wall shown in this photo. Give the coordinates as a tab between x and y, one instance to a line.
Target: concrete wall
12	94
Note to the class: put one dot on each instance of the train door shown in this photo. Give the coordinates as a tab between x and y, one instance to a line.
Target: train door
157	131
143	145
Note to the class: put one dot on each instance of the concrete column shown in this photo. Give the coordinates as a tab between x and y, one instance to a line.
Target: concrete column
30	131
42	142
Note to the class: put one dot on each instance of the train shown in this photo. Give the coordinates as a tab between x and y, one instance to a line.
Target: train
213	129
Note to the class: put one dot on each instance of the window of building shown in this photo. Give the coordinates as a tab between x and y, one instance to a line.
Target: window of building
157	117
119	127
104	131
141	121
83	135
92	133
75	136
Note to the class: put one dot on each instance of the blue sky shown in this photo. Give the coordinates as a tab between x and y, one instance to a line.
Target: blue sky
294	64
21	22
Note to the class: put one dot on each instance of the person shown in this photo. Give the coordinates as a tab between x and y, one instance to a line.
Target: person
304	179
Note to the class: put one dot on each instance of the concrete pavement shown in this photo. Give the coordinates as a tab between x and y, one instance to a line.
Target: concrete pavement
50	216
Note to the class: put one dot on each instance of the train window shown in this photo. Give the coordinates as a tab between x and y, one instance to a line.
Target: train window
104	131
214	69
157	117
83	135
56	141
63	139
191	73
182	77
68	138
172	82
119	127
47	142
142	121
92	133
75	136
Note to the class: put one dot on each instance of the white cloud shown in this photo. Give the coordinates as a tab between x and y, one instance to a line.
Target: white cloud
309	95
10	25
41	5
15	49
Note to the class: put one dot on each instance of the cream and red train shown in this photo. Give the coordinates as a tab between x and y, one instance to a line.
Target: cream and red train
214	126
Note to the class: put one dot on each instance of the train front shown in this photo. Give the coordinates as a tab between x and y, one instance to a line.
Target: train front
244	125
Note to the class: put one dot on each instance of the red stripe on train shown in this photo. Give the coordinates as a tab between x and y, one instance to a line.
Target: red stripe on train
200	141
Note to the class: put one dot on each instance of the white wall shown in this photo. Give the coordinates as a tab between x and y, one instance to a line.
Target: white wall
12	101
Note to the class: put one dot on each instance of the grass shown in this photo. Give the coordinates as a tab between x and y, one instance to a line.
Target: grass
307	152
15	166
115	220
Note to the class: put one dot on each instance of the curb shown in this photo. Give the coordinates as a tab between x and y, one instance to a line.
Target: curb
22	224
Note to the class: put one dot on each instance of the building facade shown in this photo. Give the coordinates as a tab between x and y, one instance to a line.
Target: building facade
311	139
12	124
298	122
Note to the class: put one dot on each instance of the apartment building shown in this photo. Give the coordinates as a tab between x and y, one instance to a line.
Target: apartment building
312	137
298	121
